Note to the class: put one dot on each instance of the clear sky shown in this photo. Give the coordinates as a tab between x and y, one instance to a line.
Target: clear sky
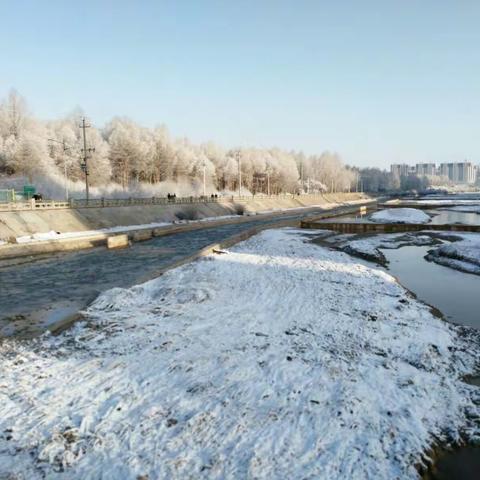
378	81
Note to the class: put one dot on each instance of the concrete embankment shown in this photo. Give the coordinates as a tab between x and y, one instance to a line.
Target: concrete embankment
27	222
86	219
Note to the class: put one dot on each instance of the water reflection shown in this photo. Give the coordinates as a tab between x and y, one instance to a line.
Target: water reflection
443	217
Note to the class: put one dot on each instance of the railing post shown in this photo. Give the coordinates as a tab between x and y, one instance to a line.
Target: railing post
32	203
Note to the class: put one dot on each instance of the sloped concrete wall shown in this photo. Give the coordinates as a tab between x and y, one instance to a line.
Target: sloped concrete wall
15	224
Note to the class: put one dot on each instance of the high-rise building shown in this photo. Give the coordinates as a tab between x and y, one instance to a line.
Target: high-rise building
459	172
400	169
425	169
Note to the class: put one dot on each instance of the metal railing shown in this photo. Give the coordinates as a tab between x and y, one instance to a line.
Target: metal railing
125	202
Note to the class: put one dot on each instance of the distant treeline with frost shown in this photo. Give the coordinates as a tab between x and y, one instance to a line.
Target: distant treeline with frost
129	159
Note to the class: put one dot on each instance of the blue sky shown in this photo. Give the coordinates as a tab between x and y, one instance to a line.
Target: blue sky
377	81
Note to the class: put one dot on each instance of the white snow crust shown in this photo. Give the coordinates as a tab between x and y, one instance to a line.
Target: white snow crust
370	246
461	255
400	215
277	359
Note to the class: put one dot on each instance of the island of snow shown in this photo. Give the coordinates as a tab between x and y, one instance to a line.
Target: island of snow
400	215
463	254
276	359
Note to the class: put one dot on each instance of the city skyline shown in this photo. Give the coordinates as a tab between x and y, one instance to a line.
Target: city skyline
457	172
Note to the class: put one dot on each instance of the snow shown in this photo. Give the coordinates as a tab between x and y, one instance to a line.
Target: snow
460	250
52	235
463	254
276	359
400	215
369	246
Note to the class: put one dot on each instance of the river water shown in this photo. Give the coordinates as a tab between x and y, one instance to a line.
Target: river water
444	217
456	294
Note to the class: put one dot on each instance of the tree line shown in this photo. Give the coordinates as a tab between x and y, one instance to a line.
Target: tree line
127	154
127	157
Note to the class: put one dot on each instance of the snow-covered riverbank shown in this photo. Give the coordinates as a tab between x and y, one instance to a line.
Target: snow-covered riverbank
462	252
277	359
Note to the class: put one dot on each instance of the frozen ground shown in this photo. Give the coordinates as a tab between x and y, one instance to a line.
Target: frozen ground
276	359
463	254
400	215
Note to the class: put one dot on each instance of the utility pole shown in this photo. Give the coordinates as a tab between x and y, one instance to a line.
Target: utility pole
84	125
268	181
239	163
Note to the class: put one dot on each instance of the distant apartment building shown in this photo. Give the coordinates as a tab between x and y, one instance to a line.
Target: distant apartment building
422	169
459	172
400	169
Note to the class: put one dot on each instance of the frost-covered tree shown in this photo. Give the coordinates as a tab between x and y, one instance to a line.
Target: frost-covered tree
131	156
